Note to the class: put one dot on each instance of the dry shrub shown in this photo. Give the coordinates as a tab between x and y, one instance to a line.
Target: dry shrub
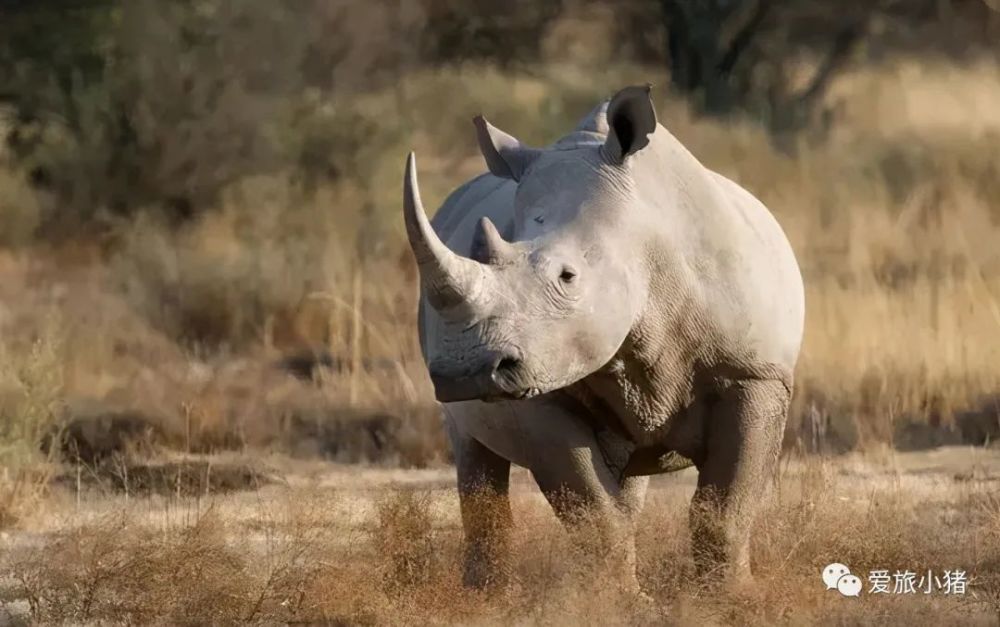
284	319
561	575
32	390
308	554
213	284
95	438
20	211
117	570
177	478
293	550
894	231
403	538
22	492
186	569
126	382
31	386
816	521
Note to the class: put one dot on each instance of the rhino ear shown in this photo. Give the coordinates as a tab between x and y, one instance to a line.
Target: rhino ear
631	119
596	121
505	156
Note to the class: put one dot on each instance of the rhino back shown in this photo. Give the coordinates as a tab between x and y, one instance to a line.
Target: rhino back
739	266
770	281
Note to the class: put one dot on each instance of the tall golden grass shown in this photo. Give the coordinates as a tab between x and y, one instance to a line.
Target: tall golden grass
894	220
129	359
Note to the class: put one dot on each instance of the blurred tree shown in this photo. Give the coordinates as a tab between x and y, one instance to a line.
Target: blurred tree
747	56
117	105
146	104
51	53
506	33
736	55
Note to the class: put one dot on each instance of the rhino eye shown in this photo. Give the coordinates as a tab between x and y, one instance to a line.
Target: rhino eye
568	274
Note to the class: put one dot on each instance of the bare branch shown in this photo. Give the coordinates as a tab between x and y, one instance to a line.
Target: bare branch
843	44
744	37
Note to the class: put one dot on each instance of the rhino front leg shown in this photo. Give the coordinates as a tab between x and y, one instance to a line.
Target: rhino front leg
483	483
593	504
743	440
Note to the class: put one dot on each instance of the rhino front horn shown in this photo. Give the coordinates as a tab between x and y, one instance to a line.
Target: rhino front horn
452	283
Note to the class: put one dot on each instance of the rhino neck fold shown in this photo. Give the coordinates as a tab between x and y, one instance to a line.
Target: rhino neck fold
649	381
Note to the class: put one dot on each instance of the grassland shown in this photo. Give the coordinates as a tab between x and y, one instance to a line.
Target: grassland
313	541
156	344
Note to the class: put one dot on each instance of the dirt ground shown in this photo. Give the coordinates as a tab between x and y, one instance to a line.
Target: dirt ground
315	541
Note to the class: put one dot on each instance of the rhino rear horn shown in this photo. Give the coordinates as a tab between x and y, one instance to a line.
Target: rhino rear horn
452	283
489	246
505	156
631	120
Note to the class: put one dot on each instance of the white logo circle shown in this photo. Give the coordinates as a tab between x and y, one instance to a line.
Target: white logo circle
832	573
849	585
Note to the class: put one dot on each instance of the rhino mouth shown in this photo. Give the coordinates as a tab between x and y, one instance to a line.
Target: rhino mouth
455	390
524	394
473	388
488	388
498	395
511	380
504	376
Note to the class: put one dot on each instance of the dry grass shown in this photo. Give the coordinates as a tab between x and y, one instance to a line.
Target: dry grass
341	547
894	221
171	343
30	394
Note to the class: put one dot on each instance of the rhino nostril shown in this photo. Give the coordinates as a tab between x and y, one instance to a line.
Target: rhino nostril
508	364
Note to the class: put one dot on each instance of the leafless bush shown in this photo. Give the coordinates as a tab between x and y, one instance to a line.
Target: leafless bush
32	389
403	537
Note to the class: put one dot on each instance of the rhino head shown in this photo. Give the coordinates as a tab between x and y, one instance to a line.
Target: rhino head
532	315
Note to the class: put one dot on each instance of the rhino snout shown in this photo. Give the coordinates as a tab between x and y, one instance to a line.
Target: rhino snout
499	377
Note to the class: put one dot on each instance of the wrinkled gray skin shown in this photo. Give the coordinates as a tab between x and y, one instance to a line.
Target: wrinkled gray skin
595	309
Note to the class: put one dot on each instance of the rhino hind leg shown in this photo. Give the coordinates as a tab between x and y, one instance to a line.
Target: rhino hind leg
743	441
632	496
483	483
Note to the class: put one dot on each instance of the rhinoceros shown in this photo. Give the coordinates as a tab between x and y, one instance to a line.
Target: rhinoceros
598	311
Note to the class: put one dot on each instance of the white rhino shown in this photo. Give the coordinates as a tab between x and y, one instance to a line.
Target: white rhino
598	311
